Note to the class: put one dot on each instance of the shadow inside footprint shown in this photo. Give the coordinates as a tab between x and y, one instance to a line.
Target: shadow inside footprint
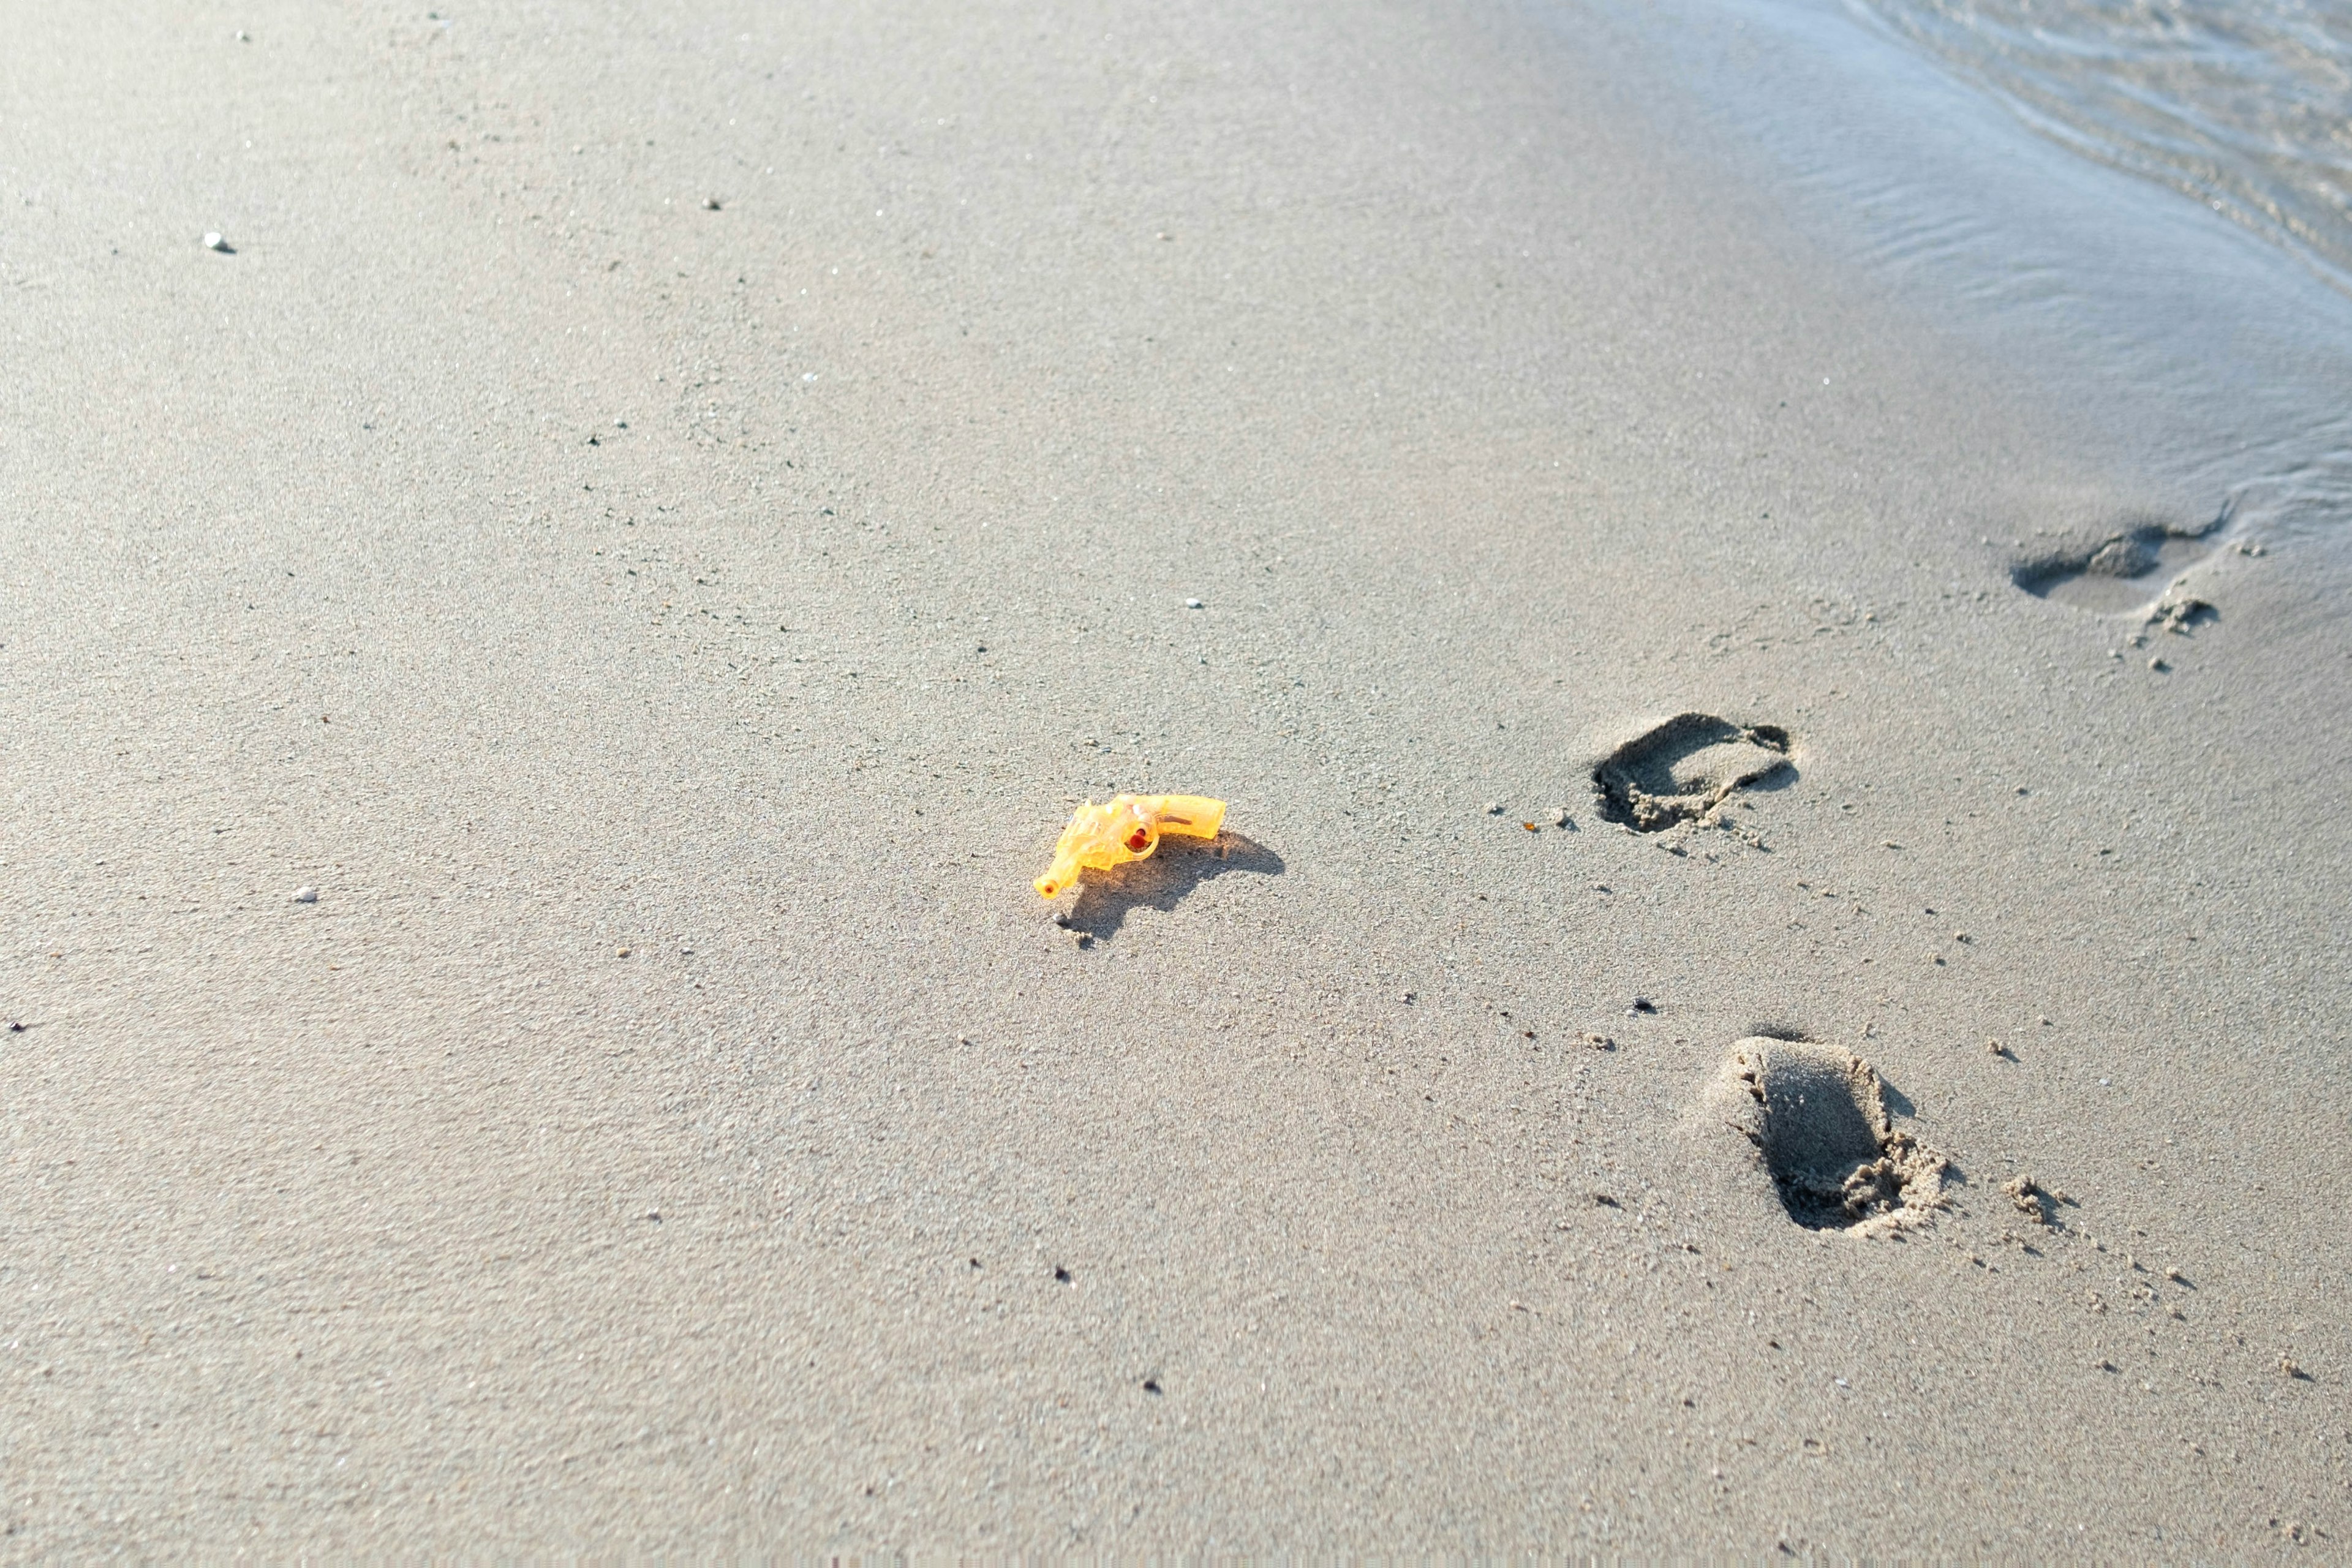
1105	897
1817	1113
1685	768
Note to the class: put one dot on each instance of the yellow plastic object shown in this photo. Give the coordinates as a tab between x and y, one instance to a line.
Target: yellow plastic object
1101	836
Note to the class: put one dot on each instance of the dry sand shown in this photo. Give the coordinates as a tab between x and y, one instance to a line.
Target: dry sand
669	637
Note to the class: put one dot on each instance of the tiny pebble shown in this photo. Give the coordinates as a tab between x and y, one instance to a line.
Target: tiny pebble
2157	664
306	895
1192	605
1559	817
711	203
1493	808
214	241
620	953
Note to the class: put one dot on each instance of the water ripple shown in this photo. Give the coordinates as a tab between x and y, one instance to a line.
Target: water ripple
2246	105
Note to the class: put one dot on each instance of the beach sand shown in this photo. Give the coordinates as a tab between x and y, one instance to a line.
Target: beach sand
658	522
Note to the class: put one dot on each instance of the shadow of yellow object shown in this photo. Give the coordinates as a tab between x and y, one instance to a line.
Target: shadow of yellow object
1167	879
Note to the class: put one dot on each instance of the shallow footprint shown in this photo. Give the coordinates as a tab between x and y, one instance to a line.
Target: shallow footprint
1685	768
1817	1114
2127	570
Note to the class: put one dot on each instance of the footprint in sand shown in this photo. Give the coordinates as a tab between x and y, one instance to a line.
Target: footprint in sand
1817	1115
1685	768
2127	571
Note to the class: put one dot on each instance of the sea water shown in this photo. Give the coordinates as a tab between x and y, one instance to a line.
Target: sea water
2141	208
2242	105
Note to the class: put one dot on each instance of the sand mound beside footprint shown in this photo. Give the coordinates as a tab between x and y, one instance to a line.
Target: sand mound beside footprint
1817	1115
1685	768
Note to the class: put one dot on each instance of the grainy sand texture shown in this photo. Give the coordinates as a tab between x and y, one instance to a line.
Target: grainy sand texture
654	515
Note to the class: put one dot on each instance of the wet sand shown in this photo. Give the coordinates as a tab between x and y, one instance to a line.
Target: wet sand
658	523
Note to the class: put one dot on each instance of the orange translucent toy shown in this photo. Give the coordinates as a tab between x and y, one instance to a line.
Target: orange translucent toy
1101	836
